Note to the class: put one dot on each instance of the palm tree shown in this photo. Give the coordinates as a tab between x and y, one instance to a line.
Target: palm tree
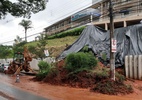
26	24
17	40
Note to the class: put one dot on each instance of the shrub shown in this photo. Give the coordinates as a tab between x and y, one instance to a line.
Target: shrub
73	32
104	56
105	74
119	77
44	70
106	86
41	75
43	66
85	49
112	87
77	62
101	75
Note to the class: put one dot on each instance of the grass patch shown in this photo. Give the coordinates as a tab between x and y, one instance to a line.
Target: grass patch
57	42
62	41
56	46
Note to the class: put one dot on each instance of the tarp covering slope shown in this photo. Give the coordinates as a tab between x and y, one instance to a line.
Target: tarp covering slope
129	42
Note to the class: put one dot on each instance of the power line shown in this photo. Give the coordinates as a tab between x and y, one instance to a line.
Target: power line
58	9
41	26
104	14
61	9
8	21
52	9
70	13
38	33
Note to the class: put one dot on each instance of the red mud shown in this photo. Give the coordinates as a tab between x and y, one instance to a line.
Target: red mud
53	92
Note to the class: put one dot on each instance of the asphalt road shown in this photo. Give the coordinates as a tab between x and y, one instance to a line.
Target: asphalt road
3	98
7	91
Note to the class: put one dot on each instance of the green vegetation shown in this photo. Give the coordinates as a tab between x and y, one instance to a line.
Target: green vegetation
104	85
73	32
21	8
77	62
104	57
19	47
26	24
55	46
81	70
6	52
44	70
38	50
101	74
61	41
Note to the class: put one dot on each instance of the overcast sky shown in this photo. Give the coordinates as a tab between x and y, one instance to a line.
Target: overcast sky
55	10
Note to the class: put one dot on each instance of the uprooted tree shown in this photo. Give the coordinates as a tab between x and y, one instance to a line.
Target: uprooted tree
21	8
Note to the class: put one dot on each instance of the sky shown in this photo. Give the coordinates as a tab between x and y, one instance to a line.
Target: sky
55	11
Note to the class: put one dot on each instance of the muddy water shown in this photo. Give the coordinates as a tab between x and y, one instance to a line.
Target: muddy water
67	93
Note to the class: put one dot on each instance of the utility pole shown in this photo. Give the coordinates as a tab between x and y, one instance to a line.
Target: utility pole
112	42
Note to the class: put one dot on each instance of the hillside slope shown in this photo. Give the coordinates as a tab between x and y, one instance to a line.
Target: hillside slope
56	46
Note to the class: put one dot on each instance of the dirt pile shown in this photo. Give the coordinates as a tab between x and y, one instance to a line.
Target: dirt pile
84	79
112	87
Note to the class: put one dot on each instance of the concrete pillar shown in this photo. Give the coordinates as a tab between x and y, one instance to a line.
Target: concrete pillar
34	64
138	4
106	26
135	67
91	18
101	11
124	24
131	66
140	67
126	66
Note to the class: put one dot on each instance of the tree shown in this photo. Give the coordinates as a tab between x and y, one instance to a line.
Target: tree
26	24
21	8
5	52
17	40
38	50
19	47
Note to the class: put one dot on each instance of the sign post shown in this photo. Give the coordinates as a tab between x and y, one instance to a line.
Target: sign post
46	53
113	45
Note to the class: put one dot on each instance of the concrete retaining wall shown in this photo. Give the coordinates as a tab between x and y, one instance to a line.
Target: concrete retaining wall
33	63
133	67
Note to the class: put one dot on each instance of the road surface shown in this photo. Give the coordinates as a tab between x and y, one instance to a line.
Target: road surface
28	89
8	92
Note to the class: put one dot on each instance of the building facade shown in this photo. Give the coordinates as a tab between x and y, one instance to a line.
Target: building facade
125	13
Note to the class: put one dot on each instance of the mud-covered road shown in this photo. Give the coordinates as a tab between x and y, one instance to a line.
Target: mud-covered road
52	92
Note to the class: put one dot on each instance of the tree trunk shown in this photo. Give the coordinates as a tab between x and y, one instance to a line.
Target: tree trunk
26	35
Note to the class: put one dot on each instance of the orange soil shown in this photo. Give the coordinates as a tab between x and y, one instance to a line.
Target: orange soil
53	92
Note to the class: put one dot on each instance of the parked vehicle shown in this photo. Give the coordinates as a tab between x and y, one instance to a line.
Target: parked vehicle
5	66
1	68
